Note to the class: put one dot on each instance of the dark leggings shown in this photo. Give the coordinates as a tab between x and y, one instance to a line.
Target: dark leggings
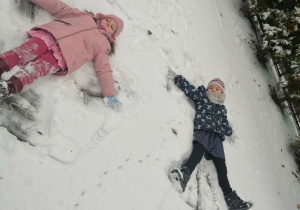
195	158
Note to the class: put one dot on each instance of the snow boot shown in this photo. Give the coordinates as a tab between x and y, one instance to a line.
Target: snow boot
3	66
10	87
234	202
180	178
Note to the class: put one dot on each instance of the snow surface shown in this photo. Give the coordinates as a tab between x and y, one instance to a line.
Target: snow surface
91	157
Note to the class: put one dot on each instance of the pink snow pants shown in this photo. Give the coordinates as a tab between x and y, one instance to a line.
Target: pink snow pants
34	58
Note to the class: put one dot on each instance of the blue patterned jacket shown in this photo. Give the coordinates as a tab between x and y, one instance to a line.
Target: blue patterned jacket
209	116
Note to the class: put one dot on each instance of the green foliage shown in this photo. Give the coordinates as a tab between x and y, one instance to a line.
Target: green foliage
281	35
281	38
284	5
281	29
294	86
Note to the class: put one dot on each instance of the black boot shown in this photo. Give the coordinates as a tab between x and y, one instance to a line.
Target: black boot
10	87
235	203
180	178
3	66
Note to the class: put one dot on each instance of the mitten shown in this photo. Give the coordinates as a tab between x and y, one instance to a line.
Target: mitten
113	102
171	74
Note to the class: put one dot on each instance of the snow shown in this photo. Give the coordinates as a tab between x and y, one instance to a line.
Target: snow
91	157
266	15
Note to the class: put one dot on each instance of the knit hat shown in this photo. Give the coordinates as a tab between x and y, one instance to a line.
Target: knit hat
217	81
119	21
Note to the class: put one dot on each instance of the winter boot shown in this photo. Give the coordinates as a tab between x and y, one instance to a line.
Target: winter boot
10	87
3	66
235	203
180	178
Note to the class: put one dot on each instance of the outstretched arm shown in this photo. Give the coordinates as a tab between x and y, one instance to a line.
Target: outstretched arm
104	73
189	90
57	8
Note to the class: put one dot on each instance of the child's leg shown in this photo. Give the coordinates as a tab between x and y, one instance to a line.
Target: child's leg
180	177
221	168
233	201
22	55
195	157
43	66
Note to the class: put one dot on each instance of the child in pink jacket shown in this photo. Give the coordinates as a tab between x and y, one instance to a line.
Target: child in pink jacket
62	46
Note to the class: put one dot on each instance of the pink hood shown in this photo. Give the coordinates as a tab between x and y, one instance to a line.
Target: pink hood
119	21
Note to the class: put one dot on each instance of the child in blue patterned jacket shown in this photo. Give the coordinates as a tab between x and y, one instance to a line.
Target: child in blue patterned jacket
210	127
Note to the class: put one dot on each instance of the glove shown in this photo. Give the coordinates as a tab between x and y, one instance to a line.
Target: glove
113	102
171	74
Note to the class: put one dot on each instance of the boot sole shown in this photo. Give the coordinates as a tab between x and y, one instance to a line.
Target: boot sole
176	184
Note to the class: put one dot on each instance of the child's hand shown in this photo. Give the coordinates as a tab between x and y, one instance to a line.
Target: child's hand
113	102
171	74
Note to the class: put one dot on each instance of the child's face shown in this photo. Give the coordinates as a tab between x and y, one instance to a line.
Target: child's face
111	24
214	88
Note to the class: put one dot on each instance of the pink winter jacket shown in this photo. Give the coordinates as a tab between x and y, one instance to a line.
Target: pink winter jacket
80	40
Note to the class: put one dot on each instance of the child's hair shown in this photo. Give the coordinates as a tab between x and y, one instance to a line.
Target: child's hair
90	12
112	44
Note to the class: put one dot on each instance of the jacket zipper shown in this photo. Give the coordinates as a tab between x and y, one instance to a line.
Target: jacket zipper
76	33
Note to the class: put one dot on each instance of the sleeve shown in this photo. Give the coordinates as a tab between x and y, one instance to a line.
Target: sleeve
226	126
57	8
189	90
104	74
